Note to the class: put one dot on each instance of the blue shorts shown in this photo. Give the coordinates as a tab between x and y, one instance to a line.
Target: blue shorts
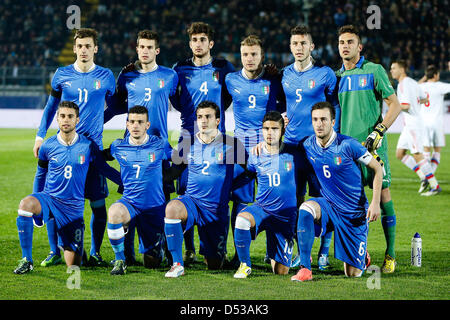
350	233
64	212
246	193
96	187
212	227
71	237
150	228
280	231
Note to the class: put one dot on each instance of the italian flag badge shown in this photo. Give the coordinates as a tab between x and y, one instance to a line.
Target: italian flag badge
216	75
311	84
337	160
161	83
265	89
288	165
152	157
97	84
81	159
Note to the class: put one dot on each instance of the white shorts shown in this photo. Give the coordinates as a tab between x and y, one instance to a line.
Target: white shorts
411	139
434	135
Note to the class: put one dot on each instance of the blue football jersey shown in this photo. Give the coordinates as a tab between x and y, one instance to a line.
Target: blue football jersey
302	91
153	90
141	170
277	178
200	83
337	168
68	165
252	99
88	90
210	170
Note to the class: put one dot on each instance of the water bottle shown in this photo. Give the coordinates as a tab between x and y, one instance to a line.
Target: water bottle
416	250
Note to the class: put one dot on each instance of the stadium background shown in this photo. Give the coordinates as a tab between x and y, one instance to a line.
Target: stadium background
35	40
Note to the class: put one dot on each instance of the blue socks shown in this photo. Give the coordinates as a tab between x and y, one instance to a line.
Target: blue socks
305	237
116	237
174	237
243	239
53	236
24	224
98	225
325	242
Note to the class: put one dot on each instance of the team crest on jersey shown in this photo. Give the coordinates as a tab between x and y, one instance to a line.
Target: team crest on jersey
362	81
288	165
311	84
161	83
219	156
152	157
81	159
266	89
97	84
216	75
337	160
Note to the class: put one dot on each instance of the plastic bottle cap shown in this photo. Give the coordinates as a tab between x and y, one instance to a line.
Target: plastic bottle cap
417	235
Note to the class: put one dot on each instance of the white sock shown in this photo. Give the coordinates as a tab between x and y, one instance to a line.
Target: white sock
413	165
435	160
427	171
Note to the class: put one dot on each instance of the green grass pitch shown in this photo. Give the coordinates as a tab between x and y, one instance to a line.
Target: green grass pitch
428	216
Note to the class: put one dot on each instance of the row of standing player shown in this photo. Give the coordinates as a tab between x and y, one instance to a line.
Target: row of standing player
202	77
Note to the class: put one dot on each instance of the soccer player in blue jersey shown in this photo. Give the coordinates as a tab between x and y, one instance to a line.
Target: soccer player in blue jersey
201	78
58	190
306	83
147	84
87	85
275	209
254	92
210	162
140	156
343	205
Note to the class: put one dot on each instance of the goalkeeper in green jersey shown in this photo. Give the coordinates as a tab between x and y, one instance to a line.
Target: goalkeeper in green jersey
363	86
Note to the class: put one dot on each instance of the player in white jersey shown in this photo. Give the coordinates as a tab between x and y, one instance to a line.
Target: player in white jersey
410	97
432	115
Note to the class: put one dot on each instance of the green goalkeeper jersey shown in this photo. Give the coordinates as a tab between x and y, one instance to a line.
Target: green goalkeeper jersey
361	94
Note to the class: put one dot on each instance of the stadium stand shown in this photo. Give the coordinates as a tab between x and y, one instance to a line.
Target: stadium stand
34	39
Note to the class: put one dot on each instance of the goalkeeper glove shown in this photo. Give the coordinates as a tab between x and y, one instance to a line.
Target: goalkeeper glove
377	157
374	139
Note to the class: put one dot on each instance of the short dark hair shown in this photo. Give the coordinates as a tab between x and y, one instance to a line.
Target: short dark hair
69	105
431	71
402	63
301	30
85	33
349	29
201	27
274	116
139	110
209	104
149	35
324	105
